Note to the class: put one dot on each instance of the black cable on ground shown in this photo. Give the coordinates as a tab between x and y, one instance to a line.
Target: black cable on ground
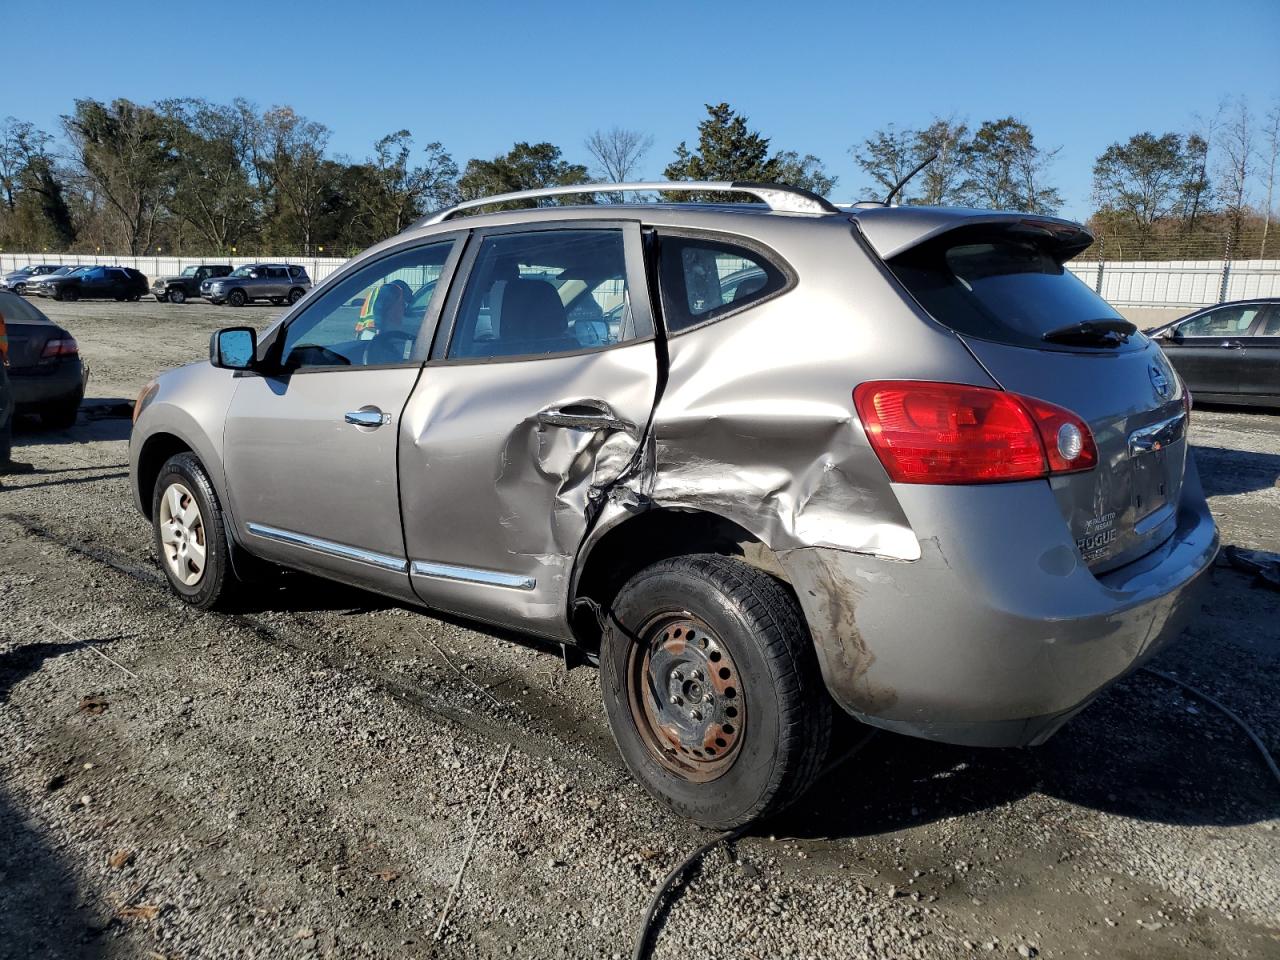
646	926
1257	741
643	941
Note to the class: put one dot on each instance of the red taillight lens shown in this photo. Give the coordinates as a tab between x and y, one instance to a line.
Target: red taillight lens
925	432
61	347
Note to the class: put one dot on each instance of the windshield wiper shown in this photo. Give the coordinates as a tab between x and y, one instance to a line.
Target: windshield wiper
1110	331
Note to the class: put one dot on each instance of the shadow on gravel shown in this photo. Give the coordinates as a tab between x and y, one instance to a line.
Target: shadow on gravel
101	419
1224	472
41	913
1136	752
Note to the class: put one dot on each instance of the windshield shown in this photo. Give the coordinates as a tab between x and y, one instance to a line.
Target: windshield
190	271
77	271
998	288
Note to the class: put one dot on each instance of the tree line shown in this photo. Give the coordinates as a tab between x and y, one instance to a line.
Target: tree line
189	176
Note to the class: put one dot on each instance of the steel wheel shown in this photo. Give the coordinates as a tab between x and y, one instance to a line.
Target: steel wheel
686	697
182	534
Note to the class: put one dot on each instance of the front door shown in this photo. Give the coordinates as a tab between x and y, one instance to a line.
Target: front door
537	397
310	444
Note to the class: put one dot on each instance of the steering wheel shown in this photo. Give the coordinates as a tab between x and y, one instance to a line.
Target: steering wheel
388	347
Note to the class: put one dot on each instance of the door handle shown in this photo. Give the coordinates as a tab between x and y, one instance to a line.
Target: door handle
367	418
583	415
1231	344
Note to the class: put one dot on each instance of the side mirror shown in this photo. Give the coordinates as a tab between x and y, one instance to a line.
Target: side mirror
233	348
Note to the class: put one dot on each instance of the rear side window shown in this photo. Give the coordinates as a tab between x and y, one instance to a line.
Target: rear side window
705	279
995	288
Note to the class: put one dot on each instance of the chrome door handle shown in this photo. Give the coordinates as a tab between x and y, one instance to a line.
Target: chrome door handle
1231	344
583	416
367	418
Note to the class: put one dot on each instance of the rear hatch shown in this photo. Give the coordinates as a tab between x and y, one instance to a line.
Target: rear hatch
1041	332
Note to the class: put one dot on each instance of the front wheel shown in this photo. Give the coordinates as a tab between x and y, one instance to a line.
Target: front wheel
162	298
712	689
189	534
237	298
177	295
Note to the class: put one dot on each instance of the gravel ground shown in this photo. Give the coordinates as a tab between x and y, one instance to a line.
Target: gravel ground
304	778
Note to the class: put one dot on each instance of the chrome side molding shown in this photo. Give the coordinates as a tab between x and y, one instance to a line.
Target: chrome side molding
492	578
358	554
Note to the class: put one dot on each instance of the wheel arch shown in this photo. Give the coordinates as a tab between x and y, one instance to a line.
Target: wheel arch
156	450
615	551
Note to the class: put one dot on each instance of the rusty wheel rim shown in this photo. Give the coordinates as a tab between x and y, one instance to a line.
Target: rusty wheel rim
686	697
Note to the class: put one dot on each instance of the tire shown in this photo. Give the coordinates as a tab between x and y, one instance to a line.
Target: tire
183	483
751	666
134	297
6	438
162	298
177	295
277	301
295	295
20	289
237	298
62	414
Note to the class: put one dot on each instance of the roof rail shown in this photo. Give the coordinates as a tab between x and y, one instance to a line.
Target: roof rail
776	196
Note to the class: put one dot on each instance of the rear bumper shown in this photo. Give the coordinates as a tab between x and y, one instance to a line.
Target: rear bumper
998	634
38	387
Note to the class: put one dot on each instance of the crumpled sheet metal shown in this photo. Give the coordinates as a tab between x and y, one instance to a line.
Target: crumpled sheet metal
1264	566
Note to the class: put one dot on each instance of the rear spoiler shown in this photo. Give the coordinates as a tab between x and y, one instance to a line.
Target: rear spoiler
895	230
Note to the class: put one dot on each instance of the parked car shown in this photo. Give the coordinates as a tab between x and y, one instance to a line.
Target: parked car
277	282
915	469
93	283
1229	353
187	284
16	280
46	375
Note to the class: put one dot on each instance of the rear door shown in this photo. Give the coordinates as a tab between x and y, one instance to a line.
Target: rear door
1207	350
310	444
532	405
1002	290
1261	377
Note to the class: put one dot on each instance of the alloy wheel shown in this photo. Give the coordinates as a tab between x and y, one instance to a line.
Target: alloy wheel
182	534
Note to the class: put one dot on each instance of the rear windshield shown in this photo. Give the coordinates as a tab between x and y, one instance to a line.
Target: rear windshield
997	288
16	310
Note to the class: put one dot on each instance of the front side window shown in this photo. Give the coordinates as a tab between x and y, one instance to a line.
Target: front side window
1233	321
372	317
704	279
549	292
1271	325
245	272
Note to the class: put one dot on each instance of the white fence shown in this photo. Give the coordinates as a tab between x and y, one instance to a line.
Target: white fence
159	266
1124	283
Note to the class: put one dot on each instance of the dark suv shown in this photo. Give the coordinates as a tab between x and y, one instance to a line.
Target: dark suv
187	284
277	282
100	283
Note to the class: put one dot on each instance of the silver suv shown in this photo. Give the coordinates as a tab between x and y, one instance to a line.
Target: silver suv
758	459
277	282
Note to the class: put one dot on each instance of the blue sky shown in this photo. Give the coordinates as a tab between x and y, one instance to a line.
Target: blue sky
814	77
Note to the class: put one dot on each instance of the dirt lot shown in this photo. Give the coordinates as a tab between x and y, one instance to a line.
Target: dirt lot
304	778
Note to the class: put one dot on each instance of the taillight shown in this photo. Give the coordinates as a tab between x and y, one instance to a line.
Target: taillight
926	432
60	347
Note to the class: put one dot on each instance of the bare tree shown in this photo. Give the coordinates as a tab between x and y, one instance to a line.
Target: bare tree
290	155
1236	166
1272	153
617	153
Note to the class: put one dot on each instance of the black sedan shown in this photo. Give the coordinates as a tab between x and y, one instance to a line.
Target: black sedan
1229	353
45	372
101	283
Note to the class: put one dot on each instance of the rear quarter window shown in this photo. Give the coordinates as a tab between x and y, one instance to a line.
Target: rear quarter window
996	288
703	279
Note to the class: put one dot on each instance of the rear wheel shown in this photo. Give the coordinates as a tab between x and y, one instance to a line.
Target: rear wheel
189	534
712	689
71	295
177	295
295	295
237	298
